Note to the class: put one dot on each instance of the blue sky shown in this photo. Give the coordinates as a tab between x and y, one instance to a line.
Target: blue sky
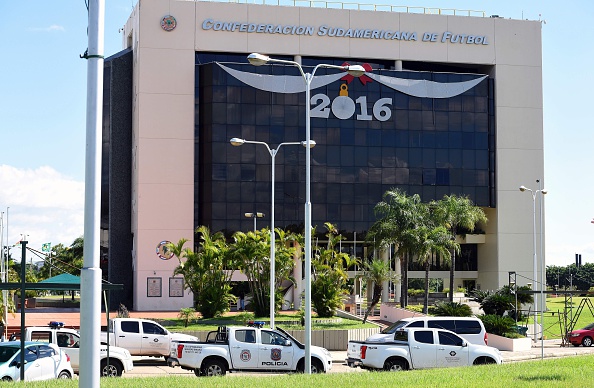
43	111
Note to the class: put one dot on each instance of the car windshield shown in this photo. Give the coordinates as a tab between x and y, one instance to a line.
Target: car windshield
6	353
393	327
589	327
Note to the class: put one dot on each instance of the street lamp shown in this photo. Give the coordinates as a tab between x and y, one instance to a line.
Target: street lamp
356	71
542	300
254	216
272	151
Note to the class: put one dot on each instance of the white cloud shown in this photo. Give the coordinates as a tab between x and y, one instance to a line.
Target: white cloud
43	204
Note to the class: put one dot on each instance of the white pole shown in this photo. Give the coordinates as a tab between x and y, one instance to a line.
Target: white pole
543	301
308	77
90	311
272	241
534	286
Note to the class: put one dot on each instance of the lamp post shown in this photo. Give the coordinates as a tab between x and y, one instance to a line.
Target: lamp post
534	193
254	216
272	151
356	71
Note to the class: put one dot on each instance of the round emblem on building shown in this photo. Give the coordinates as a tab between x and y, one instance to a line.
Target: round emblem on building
163	252
168	23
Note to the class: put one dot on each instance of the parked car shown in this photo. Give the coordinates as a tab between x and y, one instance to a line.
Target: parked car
42	362
582	337
68	340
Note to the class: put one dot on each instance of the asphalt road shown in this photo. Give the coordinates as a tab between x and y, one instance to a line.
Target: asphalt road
156	367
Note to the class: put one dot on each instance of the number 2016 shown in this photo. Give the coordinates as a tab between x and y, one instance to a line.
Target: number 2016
343	107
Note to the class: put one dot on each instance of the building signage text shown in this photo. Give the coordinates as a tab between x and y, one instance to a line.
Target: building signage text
339	32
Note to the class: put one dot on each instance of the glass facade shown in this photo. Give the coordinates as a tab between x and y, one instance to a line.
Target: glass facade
369	138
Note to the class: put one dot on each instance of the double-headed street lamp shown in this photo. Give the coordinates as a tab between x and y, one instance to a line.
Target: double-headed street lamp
254	216
542	275
356	71
272	151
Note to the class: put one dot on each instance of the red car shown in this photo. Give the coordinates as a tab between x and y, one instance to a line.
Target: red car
583	336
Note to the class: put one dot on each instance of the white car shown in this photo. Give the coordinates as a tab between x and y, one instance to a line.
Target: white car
42	362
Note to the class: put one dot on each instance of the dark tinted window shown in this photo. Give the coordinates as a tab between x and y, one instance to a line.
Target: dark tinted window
416	324
425	337
46	351
245	336
442	324
446	338
31	354
393	327
151	328
130	327
424	146
468	327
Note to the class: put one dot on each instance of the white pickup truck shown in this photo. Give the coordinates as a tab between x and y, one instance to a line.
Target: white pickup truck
247	349
421	349
68	340
142	337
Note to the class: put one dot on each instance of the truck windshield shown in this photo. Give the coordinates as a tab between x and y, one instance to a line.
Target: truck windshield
394	327
299	344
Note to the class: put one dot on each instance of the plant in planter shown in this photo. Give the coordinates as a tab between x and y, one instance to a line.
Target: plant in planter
498	325
452	309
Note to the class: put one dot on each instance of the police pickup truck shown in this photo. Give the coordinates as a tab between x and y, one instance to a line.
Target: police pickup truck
421	349
247	348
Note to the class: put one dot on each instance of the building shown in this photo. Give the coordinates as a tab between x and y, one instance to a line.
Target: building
450	104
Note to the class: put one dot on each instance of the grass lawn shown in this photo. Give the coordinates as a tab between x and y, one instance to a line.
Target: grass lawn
575	372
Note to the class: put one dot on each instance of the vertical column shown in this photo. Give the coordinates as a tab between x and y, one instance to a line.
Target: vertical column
398	65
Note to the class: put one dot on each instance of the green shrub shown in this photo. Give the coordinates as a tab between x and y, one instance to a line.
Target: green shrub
452	309
415	292
498	325
497	304
188	314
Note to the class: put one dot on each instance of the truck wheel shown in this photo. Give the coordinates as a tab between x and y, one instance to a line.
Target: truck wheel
197	372
213	368
316	366
484	361
395	365
113	369
587	341
64	375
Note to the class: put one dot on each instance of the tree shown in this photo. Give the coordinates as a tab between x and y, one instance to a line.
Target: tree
64	259
397	214
330	277
251	252
207	272
457	212
376	271
431	241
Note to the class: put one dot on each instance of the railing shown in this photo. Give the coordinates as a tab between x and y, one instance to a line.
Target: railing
360	7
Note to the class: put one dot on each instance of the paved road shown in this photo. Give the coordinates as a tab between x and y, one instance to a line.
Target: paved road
156	367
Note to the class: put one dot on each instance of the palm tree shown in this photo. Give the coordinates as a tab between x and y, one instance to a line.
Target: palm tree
397	214
454	213
377	272
432	241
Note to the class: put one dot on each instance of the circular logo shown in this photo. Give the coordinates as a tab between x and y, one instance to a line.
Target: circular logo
245	355
168	23
163	252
